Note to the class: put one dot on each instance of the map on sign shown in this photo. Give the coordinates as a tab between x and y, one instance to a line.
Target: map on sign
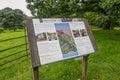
59	39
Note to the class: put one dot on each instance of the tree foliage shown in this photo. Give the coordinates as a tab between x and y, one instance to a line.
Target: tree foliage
11	19
111	9
53	8
106	13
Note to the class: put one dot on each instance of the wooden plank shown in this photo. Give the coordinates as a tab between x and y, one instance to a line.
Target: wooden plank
32	44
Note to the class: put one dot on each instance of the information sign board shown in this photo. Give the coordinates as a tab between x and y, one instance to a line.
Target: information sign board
56	39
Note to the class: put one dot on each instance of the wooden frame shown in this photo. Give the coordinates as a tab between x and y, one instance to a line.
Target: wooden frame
34	50
32	43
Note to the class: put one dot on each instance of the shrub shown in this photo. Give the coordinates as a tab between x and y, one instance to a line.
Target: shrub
96	19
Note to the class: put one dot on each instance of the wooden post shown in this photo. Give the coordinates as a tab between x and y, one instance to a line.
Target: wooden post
35	73
84	68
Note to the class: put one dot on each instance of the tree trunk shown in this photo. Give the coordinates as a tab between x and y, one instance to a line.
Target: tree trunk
112	24
109	25
106	26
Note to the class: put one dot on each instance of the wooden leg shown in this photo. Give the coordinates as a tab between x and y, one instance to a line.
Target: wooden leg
35	73
84	69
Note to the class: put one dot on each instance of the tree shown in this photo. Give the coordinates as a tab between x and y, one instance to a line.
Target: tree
20	17
106	11
11	19
111	9
53	8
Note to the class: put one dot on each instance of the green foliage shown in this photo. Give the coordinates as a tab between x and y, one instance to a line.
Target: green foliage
53	8
91	6
97	19
91	17
11	19
111	9
103	13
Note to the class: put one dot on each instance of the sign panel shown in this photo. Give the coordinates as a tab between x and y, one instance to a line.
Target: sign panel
59	39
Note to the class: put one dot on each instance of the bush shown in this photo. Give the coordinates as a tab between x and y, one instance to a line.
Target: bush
90	16
96	19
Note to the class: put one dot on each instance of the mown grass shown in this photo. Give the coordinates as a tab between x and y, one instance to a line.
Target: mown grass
103	65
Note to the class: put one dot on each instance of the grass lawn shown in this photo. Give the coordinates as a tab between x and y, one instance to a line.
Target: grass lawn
103	65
